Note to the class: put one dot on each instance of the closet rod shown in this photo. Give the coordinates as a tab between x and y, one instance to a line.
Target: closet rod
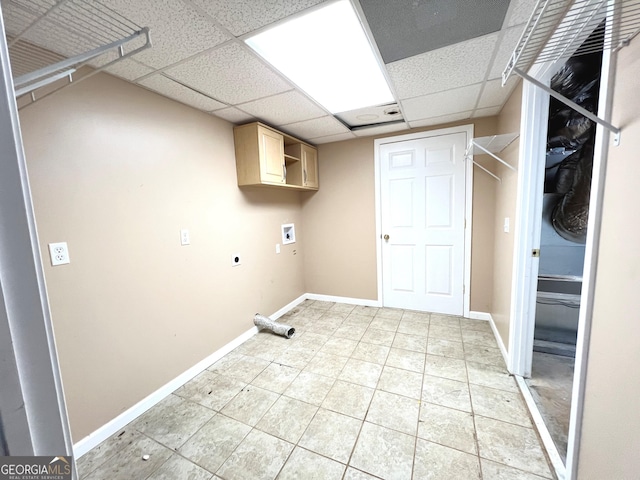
23	80
45	81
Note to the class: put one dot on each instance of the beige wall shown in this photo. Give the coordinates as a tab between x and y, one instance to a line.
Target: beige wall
505	206
610	442
340	223
117	171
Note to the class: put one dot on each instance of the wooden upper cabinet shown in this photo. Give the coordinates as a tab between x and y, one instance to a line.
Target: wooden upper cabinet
309	167
271	151
265	156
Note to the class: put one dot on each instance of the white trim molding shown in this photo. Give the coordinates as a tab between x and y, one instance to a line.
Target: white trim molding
348	300
95	438
543	431
480	316
501	346
601	150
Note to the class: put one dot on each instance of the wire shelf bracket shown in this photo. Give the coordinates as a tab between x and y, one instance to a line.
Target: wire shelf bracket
490	145
560	29
50	40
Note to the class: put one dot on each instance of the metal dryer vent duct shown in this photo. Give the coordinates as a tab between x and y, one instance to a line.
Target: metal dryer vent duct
277	328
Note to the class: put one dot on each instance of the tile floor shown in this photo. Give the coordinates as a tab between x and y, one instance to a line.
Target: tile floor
358	393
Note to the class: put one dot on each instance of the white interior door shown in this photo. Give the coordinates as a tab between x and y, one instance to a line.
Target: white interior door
422	196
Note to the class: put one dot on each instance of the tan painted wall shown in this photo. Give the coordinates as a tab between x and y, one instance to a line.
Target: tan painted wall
505	206
610	442
340	223
117	171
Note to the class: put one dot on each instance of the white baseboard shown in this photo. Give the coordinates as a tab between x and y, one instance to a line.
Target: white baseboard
480	316
113	426
351	301
501	346
543	431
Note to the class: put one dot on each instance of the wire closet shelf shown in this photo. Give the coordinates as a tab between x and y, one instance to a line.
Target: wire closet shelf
559	29
50	41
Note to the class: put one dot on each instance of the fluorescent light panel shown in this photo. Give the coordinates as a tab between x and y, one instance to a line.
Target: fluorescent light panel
326	53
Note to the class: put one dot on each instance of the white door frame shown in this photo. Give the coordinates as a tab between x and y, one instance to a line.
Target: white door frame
468	209
533	136
33	409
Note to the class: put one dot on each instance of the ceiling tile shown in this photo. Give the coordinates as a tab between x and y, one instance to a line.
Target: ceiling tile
333	138
380	129
242	16
441	120
449	67
318	127
494	94
231	74
128	69
487	112
443	103
520	12
289	107
177	30
505	49
16	18
174	90
233	115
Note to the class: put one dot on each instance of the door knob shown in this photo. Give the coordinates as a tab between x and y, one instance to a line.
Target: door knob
386	237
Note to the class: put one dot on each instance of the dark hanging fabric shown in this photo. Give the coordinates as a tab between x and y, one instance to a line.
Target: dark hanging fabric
571	215
579	81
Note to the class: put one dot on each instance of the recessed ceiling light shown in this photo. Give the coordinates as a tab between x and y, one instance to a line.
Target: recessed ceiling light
327	54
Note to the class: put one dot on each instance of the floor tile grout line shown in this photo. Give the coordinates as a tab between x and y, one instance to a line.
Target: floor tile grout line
353	449
473	416
415	444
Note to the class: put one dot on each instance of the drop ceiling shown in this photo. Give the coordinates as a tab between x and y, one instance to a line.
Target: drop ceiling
443	59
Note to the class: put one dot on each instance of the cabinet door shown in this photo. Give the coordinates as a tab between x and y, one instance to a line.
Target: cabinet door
271	156
310	167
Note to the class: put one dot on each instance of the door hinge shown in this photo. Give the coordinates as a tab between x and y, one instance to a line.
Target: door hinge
535	252
464	289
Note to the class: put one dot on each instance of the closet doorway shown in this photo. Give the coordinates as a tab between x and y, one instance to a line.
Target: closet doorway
560	199
565	211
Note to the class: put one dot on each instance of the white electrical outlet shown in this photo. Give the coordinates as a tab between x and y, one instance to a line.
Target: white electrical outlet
235	259
59	253
505	227
277	248
184	237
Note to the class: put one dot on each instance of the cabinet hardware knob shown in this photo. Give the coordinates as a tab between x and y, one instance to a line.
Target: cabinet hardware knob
386	237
